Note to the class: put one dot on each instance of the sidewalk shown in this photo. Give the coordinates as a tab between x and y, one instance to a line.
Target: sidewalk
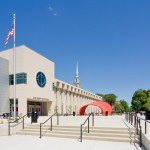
18	142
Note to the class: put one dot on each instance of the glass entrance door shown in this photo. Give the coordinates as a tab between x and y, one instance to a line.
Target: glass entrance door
35	107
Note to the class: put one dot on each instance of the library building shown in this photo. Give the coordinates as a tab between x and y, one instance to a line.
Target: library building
38	90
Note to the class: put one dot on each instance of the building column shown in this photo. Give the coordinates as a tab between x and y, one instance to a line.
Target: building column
66	102
77	104
56	102
70	103
62	102
59	102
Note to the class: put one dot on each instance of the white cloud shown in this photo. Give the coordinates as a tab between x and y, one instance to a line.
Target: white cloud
54	13
50	8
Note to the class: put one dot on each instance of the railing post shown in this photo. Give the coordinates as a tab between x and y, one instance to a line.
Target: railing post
40	130
23	123
93	119
81	133
137	125
139	122
140	136
88	125
57	119
145	127
134	120
131	118
51	124
9	128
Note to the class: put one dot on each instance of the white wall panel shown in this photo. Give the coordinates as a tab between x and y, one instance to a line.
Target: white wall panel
4	86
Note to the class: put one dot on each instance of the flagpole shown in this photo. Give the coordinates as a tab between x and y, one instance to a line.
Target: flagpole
14	67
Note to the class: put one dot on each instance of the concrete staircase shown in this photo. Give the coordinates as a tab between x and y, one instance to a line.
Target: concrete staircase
96	133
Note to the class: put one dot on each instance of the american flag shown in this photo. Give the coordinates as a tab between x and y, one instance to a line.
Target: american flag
10	33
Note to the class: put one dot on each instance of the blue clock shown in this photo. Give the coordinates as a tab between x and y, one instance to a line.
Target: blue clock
41	79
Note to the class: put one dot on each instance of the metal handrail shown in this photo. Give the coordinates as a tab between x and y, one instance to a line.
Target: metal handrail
130	120
50	123
16	121
137	124
140	132
81	131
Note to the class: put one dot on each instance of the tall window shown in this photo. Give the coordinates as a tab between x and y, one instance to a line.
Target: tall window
21	78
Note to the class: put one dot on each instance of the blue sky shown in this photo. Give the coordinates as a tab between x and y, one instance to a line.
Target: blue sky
110	39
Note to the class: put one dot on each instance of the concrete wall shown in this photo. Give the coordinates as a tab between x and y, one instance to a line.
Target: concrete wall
4	86
146	141
70	98
30	62
4	128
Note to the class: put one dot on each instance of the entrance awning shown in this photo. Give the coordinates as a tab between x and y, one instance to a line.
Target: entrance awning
38	100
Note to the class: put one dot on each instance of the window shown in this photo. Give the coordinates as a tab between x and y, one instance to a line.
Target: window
21	78
11	80
53	86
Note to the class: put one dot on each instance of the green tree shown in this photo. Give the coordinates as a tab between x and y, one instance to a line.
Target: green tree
136	105
102	95
125	105
118	108
146	106
110	98
130	109
139	99
148	93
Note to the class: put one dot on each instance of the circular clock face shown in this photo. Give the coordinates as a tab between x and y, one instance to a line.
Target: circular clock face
41	79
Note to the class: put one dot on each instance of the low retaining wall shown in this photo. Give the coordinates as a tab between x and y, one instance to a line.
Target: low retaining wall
4	128
146	141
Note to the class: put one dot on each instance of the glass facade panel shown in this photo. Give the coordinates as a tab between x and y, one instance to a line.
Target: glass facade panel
11	80
21	78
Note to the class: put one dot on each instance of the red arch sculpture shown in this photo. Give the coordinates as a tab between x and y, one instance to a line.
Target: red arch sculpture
104	106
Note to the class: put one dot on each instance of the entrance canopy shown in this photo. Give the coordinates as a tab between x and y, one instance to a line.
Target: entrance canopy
104	106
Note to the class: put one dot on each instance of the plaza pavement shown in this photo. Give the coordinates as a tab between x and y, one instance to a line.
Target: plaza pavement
27	142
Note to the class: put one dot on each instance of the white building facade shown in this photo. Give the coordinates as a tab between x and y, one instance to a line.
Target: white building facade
4	86
36	86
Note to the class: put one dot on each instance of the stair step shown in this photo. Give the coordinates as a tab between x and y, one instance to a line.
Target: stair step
100	130
84	137
77	127
78	133
96	133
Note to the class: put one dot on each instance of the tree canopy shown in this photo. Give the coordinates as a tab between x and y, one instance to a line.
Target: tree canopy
110	98
141	100
118	106
124	105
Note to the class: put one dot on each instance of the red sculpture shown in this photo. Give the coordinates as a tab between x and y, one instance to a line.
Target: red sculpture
104	106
